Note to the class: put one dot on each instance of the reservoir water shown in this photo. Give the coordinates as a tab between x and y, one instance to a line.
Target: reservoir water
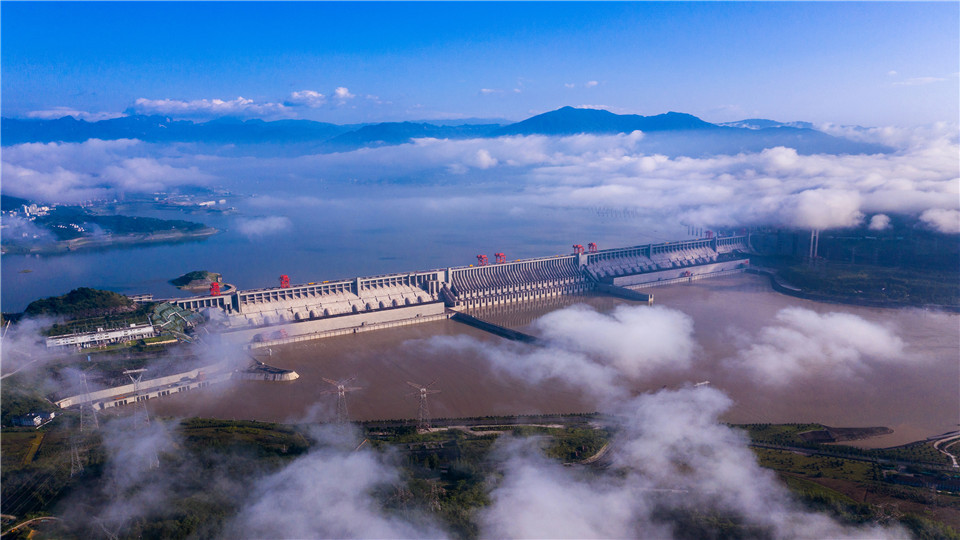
917	398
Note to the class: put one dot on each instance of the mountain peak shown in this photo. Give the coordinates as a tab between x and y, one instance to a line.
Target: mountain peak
572	120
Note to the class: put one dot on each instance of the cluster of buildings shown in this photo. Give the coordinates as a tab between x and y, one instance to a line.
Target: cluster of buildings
31	211
103	336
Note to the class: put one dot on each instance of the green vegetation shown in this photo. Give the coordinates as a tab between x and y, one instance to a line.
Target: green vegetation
60	222
82	302
195	278
446	474
789	435
877	283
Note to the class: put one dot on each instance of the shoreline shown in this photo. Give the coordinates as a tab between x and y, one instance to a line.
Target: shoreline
784	288
109	241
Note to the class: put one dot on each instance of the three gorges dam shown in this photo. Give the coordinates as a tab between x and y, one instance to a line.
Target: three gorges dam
290	313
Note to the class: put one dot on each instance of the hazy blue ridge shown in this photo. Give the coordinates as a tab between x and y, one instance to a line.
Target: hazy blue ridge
162	129
671	133
571	121
389	133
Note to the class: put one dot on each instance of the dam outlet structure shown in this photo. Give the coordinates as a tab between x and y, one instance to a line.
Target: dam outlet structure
262	317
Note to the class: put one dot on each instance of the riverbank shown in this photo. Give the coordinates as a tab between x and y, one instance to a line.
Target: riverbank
781	285
110	240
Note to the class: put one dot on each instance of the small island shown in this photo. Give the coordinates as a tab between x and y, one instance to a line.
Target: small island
196	280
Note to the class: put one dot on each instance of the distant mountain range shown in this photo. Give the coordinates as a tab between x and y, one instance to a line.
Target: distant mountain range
672	133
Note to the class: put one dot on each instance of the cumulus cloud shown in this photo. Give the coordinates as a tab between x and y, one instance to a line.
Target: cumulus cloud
637	340
777	186
206	108
569	85
590	350
671	461
308	98
805	343
944	220
774	186
60	112
93	169
484	160
879	222
489	91
342	93
255	228
327	494
591	84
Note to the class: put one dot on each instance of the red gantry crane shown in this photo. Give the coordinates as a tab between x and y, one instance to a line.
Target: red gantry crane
482	260
284	281
214	289
501	258
592	246
577	249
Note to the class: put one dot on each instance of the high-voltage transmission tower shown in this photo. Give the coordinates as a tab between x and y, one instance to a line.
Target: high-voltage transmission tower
142	415
341	389
423	415
88	422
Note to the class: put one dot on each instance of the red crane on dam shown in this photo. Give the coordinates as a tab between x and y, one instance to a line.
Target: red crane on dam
482	260
214	289
577	249
501	258
284	281
592	246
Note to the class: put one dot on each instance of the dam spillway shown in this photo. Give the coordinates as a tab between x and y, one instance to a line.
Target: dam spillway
365	303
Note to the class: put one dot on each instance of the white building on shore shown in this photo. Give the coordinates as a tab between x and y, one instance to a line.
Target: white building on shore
103	337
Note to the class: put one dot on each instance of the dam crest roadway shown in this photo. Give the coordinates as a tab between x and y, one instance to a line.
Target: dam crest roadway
261	317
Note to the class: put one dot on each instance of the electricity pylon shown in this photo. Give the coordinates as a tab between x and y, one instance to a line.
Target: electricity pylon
341	389
423	414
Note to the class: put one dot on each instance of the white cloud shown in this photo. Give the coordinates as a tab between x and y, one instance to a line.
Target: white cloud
308	98
60	112
805	343
327	494
591	84
484	160
892	73
569	85
777	186
590	350
342	93
202	108
636	340
255	228
488	91
879	222
93	169
942	219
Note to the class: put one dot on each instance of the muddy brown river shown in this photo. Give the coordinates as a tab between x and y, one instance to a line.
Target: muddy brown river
917	398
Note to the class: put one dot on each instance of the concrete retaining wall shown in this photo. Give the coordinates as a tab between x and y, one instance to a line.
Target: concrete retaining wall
343	324
622	292
676	275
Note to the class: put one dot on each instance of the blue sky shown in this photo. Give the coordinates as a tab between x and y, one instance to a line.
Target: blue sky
851	63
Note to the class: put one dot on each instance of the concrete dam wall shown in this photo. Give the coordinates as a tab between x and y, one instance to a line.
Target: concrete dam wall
331	308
